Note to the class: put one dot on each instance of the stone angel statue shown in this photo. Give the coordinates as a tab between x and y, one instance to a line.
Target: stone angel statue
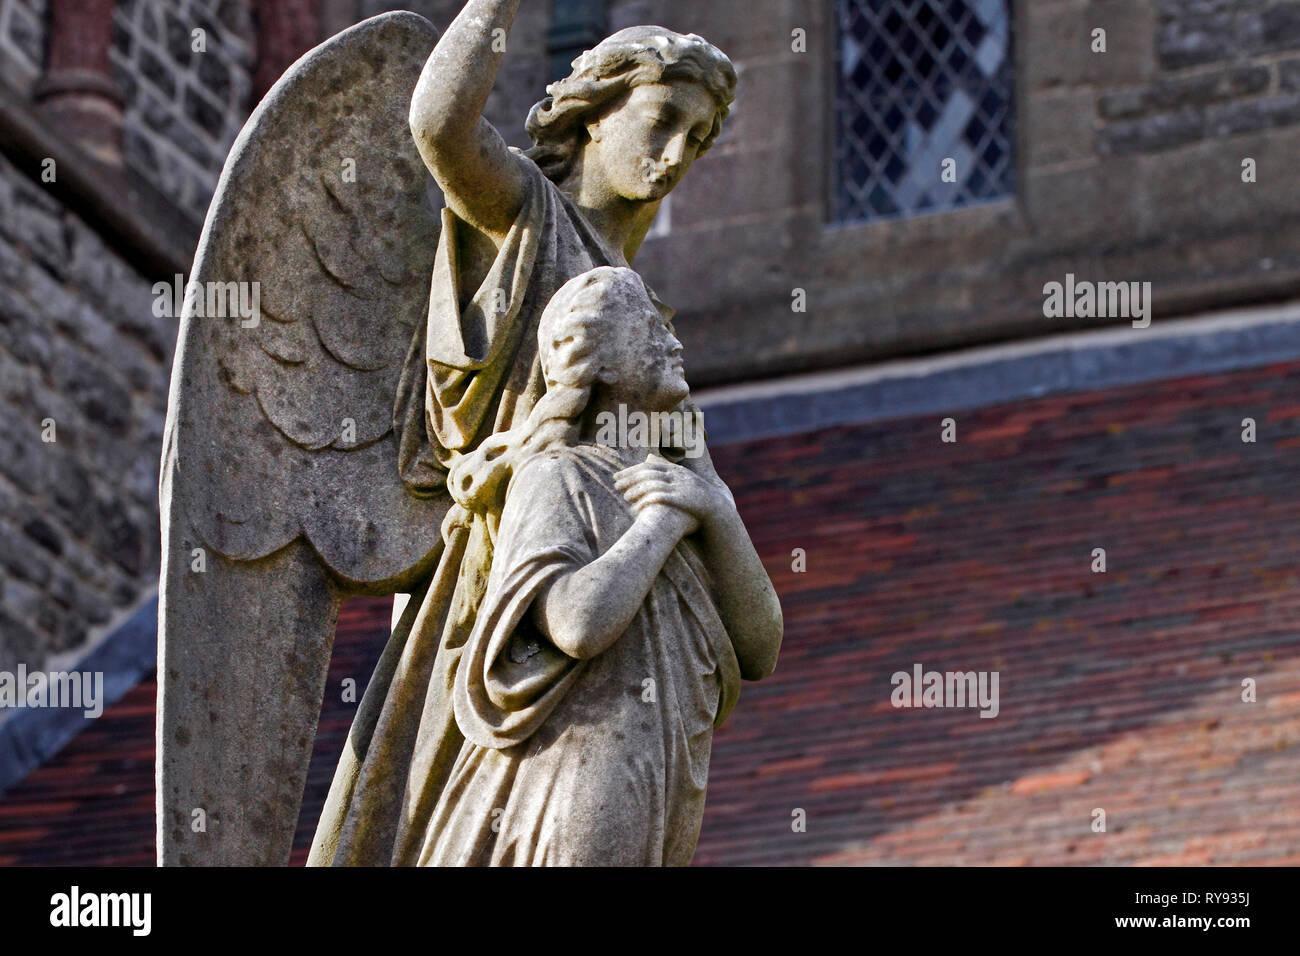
374	430
623	604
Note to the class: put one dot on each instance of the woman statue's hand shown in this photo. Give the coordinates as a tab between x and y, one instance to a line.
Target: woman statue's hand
657	482
747	601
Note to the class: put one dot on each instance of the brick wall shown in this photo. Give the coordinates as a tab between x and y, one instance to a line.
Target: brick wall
78	345
1118	690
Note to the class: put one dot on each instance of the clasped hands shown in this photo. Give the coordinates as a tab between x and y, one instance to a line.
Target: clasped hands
660	490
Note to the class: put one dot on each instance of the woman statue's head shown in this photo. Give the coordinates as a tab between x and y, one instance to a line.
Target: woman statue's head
644	104
601	342
600	332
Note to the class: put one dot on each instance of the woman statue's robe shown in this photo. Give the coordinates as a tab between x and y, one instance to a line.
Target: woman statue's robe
473	373
582	762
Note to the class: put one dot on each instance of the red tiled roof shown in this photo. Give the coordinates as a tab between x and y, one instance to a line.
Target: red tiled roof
1119	691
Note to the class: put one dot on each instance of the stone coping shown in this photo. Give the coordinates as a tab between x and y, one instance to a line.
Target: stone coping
31	736
990	375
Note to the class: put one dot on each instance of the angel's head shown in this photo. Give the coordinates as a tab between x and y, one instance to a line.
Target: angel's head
636	111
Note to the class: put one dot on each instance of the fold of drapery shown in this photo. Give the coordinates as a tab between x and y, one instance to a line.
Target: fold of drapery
473	371
580	762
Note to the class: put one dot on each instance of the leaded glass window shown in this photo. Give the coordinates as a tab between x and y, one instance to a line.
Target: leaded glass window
919	82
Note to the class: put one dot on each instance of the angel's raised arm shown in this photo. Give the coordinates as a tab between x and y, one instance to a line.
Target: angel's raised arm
467	156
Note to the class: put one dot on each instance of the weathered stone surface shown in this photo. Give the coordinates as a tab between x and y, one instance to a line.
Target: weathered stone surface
67	354
783	134
1190	91
1265	113
257	454
618	672
438	388
183	107
1065	123
25	34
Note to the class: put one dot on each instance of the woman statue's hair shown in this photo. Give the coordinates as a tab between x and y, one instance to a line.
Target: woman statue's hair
585	314
602	75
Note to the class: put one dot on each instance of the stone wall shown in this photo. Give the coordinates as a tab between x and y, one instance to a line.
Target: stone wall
1225	68
184	107
79	345
82	362
1129	167
22	40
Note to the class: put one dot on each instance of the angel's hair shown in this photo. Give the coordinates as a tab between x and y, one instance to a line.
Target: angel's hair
579	326
632	57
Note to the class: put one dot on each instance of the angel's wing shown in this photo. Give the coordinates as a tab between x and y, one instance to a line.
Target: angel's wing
280	488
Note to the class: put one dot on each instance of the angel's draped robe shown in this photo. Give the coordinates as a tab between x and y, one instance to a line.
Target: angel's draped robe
474	372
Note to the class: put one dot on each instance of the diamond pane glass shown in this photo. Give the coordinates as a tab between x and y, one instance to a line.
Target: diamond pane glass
918	82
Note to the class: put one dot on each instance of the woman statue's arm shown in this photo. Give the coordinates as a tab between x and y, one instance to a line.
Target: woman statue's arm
747	602
586	610
482	181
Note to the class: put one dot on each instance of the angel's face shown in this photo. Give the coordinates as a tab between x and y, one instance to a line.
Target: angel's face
646	144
